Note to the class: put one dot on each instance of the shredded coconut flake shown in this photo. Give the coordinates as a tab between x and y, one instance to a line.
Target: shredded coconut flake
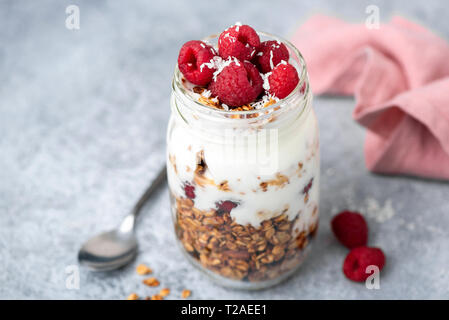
271	60
266	83
238	25
206	93
210	64
265	99
220	64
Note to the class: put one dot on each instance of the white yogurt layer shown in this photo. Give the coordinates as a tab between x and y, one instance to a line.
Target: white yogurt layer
239	160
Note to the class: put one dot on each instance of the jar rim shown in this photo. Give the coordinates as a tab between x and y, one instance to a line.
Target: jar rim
177	86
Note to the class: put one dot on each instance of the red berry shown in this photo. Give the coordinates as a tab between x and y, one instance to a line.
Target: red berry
359	259
269	54
283	79
307	187
237	84
350	229
189	190
239	42
193	59
226	206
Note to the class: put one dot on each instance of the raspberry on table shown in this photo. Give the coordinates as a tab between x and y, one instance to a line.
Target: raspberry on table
350	228
283	80
358	259
269	54
237	84
239	41
194	61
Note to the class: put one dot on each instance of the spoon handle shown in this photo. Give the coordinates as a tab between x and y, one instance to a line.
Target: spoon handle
128	223
161	176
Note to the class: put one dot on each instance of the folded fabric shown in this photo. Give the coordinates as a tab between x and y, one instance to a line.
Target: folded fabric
399	75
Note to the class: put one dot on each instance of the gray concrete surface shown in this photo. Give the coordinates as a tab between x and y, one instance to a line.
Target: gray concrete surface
82	128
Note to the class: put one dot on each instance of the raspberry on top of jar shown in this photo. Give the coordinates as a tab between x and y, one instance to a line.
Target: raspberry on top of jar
241	74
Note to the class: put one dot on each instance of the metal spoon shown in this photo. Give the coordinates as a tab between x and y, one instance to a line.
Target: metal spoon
116	248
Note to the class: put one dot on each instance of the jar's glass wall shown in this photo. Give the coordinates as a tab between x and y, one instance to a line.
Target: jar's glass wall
245	194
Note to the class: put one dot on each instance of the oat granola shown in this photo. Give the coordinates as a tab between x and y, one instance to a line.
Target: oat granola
164	292
142	269
186	293
236	251
151	282
133	296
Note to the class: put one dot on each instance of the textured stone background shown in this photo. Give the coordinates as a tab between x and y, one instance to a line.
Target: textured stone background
82	128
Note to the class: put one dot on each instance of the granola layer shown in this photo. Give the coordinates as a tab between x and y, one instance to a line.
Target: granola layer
241	252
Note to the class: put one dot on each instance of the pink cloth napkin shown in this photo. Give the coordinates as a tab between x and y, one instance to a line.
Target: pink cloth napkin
399	75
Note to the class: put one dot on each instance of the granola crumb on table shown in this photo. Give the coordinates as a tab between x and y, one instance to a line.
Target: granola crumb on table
186	293
164	292
151	282
142	269
133	296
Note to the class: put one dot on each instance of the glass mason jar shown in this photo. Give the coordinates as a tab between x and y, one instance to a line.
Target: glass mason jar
244	185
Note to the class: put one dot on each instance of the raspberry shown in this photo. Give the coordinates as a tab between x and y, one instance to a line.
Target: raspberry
350	229
269	54
308	186
359	259
226	206
283	79
190	61
189	190
239	42
237	84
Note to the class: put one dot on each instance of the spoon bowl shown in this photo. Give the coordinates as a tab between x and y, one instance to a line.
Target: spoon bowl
108	251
